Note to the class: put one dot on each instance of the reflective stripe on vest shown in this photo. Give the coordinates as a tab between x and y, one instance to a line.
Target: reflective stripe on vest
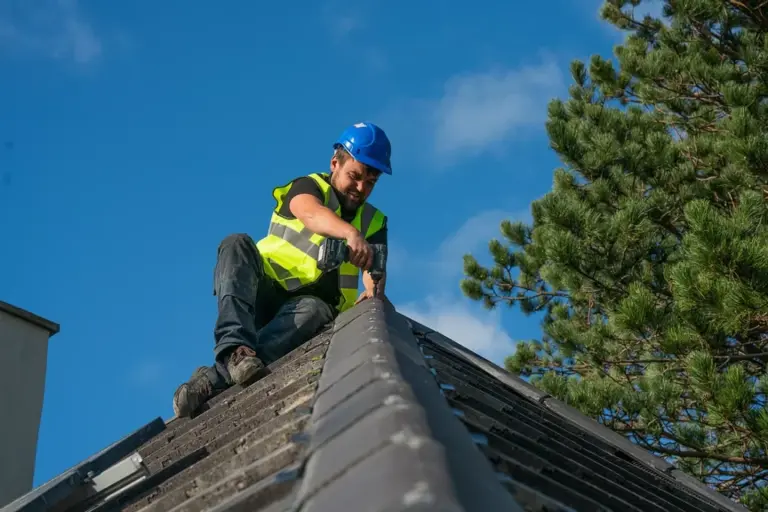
290	250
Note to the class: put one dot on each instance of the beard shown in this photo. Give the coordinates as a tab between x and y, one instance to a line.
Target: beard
349	199
349	203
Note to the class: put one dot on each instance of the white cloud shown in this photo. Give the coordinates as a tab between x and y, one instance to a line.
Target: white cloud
51	28
471	237
444	263
475	113
444	308
479	331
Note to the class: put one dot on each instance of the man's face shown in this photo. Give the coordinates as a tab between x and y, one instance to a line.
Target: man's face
353	181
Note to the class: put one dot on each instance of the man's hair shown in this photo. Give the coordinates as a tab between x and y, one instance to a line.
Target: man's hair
342	155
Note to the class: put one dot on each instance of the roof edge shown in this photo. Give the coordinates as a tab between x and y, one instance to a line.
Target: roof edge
51	494
51	327
571	413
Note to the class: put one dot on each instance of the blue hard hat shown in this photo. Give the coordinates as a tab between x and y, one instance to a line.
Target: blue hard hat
368	144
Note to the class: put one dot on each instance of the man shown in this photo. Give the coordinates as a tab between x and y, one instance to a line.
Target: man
271	295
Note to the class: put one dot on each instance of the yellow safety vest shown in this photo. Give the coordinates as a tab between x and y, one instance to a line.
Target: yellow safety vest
290	250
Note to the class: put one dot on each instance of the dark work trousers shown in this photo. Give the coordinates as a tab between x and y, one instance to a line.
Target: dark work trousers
255	311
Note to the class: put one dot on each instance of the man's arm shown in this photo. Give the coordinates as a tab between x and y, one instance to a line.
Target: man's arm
368	284
305	202
318	218
378	238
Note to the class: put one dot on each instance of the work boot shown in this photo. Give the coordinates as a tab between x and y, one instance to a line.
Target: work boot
192	394
243	365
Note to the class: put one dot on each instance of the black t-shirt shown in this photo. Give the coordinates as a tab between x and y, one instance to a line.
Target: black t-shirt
327	287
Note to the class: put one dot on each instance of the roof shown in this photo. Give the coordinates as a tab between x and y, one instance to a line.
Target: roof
32	318
379	413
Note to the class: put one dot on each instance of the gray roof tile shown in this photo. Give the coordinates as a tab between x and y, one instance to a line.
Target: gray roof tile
381	413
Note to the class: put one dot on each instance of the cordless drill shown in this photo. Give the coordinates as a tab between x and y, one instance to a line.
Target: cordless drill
334	252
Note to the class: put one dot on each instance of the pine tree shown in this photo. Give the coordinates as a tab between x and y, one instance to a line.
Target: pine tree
648	259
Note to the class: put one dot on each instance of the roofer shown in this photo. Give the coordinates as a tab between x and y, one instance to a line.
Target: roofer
271	295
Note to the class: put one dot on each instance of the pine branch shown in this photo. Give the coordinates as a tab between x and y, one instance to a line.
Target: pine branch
741	357
698	454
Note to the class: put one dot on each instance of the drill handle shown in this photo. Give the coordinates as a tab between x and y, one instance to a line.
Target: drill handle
334	252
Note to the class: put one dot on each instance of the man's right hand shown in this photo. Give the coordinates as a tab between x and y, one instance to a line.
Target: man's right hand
360	251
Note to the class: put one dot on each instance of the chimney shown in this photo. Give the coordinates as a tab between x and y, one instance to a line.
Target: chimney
23	360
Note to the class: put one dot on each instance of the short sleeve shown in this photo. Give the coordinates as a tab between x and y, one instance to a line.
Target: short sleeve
303	185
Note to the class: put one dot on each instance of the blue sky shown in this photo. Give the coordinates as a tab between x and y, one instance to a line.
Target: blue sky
136	135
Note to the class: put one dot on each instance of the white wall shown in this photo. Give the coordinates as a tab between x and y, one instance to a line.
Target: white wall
23	360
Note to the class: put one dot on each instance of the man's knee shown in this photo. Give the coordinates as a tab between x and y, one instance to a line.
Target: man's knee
238	267
311	312
236	240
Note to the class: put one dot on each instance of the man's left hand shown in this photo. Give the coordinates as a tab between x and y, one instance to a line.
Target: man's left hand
367	294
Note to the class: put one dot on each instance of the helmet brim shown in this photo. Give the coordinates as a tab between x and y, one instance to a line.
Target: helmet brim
363	159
